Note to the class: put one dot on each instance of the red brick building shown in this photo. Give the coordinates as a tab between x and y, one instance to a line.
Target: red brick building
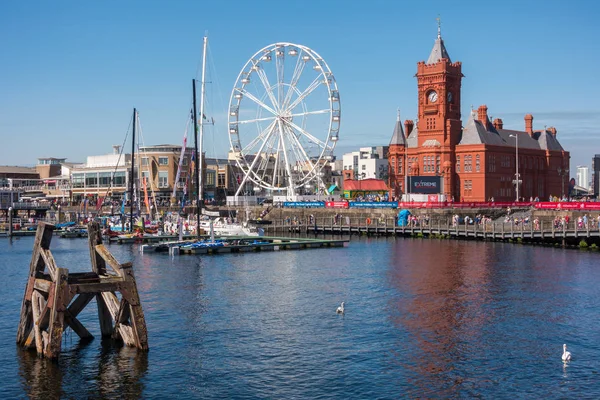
474	162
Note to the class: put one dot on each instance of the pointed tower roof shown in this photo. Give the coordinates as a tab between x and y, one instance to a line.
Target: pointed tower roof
398	136
439	50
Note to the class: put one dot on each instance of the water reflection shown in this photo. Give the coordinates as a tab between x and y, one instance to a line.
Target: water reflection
115	372
442	308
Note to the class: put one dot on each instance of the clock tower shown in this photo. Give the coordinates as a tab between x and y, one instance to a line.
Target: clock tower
439	124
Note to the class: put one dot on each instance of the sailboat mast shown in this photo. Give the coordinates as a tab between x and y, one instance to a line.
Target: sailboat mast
198	159
202	93
131	179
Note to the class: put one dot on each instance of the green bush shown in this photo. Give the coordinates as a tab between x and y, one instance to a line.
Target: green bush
583	244
594	246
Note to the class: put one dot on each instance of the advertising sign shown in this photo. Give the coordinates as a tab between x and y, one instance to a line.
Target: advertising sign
304	204
425	184
336	204
374	204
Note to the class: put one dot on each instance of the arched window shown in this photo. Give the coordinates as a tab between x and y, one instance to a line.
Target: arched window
457	163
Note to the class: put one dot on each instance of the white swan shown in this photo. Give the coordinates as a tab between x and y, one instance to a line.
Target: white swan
566	356
340	309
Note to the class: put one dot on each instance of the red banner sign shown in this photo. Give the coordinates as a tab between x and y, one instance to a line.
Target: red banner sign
336	204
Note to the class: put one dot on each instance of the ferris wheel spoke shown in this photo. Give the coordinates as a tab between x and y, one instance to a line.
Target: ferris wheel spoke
313	85
265	81
285	155
257	155
248	121
262	135
324	111
276	160
294	81
257	101
280	65
301	151
310	137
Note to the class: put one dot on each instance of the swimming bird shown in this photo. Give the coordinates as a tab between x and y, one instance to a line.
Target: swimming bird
340	309
566	356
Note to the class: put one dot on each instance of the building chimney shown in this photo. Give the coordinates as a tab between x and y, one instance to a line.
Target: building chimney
408	127
116	149
482	115
529	124
498	124
552	130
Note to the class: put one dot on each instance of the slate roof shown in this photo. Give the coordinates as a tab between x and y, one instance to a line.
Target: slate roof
438	52
475	133
398	135
13	169
413	138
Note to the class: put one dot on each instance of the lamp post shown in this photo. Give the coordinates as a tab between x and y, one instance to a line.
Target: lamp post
517	181
562	173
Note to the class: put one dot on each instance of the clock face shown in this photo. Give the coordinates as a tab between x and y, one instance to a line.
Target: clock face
433	96
449	97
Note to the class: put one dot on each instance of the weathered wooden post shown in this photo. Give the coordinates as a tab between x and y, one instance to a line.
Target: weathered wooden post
47	308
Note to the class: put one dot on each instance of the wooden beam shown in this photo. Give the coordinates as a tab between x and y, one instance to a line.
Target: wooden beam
36	306
49	261
57	313
94	239
79	303
138	321
113	304
43	237
108	258
103	286
77	326
42	285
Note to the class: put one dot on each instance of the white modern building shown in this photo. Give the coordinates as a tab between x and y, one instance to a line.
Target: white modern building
367	163
583	176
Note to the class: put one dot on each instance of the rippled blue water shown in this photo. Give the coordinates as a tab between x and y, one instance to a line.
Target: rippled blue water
424	318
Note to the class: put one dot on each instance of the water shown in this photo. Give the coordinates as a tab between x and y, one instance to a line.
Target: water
424	319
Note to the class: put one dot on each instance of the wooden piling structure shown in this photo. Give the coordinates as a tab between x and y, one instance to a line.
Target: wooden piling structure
54	297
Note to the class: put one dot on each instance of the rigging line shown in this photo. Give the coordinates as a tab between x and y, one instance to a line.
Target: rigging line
147	164
110	181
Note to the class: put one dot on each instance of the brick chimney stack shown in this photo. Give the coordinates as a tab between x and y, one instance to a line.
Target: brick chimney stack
529	124
482	115
498	124
408	126
552	130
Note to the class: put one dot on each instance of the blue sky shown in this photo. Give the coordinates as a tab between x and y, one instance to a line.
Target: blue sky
72	71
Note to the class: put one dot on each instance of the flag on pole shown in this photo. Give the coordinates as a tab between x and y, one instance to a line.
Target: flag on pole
123	204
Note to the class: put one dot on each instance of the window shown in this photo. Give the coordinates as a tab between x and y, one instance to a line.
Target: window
363	167
91	179
477	163
221	179
393	165
185	161
437	164
457	163
469	163
163	179
210	178
144	161
78	180
119	178
104	179
146	176
163	160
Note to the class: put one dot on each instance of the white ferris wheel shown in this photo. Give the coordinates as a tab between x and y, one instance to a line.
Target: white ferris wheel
284	119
